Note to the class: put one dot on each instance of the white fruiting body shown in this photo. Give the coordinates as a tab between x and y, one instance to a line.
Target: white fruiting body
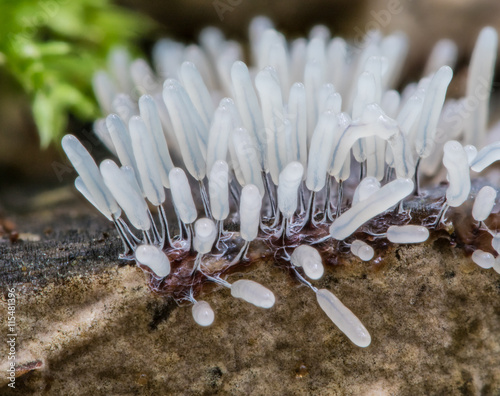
269	140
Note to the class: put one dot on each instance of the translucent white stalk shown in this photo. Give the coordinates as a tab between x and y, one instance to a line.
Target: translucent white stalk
407	234
132	203
205	233
248	158
320	151
343	318
273	115
250	205
362	250
484	202
455	161
146	160
380	201
181	196
481	69
309	259
91	178
203	313
153	258
218	190
150	116
431	109
253	292
289	182
197	91
248	108
188	128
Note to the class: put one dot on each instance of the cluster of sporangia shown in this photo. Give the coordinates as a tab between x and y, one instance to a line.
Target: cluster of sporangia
263	149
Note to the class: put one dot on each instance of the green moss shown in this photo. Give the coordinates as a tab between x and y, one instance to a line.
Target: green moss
52	47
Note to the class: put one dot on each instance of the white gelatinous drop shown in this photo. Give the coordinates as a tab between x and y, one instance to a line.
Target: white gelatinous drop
309	259
146	160
407	234
153	258
248	158
457	165
151	117
86	167
431	109
381	200
365	188
362	250
218	190
343	318
205	233
481	69
253	292
320	150
288	185
483	259
181	195
250	205
130	200
495	242
203	313
484	202
189	129
248	107
486	156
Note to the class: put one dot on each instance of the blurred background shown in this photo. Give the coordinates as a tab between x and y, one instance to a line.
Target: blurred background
29	155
